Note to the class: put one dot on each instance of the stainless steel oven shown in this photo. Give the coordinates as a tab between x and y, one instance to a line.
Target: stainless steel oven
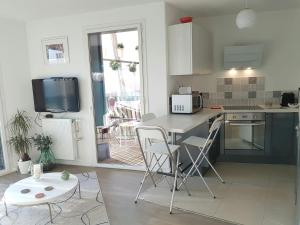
245	133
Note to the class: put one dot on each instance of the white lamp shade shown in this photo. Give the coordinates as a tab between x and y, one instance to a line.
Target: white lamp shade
245	18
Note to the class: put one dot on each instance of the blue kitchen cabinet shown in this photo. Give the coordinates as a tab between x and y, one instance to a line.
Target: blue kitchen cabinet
280	138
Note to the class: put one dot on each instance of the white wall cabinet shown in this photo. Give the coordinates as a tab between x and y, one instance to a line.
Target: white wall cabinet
190	50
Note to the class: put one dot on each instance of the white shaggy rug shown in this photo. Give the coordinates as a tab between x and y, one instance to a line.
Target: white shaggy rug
89	210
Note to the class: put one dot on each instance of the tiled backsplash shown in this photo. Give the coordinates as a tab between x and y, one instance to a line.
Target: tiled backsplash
241	91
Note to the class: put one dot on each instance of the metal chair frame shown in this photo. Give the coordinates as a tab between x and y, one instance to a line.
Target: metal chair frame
213	132
150	169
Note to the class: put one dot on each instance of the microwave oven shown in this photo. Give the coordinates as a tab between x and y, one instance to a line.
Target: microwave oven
190	103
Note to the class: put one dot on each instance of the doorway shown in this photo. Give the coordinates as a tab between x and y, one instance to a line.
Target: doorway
118	90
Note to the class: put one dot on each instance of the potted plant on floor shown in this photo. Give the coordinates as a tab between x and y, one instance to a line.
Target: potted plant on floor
43	144
19	126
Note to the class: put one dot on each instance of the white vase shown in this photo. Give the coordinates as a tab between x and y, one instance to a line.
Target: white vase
120	52
24	166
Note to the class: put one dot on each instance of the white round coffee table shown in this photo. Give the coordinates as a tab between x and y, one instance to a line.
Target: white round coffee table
14	196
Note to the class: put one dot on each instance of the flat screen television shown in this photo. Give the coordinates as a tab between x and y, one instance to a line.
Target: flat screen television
56	94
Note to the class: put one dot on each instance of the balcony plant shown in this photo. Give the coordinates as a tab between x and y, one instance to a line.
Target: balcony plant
120	46
115	65
43	144
120	49
19	126
132	67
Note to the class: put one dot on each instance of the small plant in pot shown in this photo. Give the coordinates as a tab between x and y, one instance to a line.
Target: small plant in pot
132	67
43	144
120	49
20	126
115	65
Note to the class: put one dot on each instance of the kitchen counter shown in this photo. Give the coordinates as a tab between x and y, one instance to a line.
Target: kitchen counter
182	123
266	109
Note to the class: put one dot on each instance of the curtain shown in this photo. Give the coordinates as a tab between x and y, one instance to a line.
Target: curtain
96	64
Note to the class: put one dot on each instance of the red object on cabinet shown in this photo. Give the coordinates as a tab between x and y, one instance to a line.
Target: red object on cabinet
186	19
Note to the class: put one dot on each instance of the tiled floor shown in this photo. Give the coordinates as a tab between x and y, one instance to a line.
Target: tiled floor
254	194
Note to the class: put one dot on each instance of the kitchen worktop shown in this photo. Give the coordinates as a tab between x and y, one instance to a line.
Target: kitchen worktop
266	109
182	123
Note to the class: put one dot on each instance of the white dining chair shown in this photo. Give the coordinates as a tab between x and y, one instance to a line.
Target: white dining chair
161	152
203	145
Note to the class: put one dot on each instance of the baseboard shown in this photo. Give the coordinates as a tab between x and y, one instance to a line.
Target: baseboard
74	163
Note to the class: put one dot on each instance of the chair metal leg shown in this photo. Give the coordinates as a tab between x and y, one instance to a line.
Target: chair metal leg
196	167
150	174
79	190
147	173
183	183
5	206
174	185
191	169
213	168
141	186
160	166
50	212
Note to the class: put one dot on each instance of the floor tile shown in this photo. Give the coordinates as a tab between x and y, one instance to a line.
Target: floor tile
248	212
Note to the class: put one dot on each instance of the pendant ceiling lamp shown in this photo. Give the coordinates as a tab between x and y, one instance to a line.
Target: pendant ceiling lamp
245	18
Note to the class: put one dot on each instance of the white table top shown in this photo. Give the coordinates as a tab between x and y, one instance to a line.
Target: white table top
14	196
182	123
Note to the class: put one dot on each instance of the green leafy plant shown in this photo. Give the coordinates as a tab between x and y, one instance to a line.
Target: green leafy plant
20	126
132	67
115	65
120	46
42	142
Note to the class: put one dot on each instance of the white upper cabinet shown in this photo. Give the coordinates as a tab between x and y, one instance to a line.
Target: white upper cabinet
190	50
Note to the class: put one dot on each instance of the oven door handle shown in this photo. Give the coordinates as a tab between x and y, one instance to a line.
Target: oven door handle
246	124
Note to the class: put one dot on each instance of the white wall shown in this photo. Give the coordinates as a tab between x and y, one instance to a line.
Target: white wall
278	30
15	86
153	16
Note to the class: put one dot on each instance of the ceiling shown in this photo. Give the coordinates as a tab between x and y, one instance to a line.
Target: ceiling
32	9
223	7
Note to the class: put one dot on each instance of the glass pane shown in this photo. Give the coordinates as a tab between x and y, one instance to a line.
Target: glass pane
1	154
120	52
244	137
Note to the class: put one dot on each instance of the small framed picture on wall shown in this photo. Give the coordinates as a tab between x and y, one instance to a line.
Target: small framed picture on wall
56	50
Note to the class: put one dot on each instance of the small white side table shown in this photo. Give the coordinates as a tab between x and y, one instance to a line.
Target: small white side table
13	195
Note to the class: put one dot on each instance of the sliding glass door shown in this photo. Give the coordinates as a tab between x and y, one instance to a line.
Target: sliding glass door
115	62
